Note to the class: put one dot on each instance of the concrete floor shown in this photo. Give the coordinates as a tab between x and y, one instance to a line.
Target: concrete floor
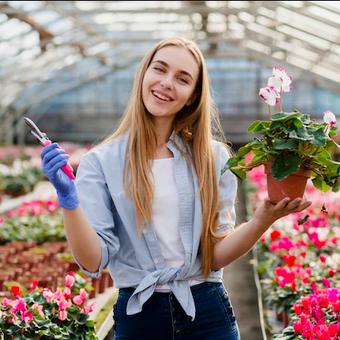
240	284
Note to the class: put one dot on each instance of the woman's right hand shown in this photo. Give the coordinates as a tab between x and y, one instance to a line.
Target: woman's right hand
53	157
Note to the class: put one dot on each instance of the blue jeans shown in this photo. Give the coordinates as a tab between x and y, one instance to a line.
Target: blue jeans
163	318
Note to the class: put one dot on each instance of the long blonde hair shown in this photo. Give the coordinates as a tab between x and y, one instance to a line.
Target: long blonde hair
195	125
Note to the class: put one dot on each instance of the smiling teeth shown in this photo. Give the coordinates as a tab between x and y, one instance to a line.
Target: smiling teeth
161	96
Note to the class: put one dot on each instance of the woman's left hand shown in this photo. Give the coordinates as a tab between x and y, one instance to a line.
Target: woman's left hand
269	212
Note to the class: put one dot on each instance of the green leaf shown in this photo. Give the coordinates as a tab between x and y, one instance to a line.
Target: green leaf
320	184
283	166
283	116
253	125
90	323
240	173
320	138
244	150
301	134
82	318
284	144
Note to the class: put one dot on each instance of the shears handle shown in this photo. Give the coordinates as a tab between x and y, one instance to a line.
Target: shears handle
66	168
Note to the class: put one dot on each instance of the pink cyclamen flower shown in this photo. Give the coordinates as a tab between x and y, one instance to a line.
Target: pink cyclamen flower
58	294
280	80
79	299
89	308
62	315
326	282
270	95
69	280
330	119
48	295
39	308
19	305
64	304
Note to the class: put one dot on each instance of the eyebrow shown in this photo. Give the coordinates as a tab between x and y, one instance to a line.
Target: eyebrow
166	65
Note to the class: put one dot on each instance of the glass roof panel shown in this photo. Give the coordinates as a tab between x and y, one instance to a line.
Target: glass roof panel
41	40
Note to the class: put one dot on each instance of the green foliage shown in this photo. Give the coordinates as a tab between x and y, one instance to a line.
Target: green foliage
290	141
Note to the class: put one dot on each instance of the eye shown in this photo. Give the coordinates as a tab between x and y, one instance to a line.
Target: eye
183	80
158	69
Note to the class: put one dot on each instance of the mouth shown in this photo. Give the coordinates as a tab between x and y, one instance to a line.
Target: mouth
161	96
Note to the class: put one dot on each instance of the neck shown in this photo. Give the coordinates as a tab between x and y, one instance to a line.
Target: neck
163	132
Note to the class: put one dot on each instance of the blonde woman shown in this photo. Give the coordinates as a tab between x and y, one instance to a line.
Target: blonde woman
155	209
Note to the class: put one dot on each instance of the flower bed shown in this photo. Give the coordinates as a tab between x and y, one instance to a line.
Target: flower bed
47	314
299	261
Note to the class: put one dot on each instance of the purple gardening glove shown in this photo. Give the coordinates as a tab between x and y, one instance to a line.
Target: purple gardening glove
53	157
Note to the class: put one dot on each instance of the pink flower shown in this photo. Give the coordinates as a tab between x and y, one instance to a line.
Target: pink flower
326	282
39	308
48	295
89	308
62	315
69	281
19	305
79	299
58	294
64	304
27	316
67	293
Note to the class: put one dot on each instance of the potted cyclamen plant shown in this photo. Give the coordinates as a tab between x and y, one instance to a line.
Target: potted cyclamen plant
293	147
43	314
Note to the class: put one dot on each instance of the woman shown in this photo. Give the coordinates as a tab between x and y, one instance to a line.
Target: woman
155	209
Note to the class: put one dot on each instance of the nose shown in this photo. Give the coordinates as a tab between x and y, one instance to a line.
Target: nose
166	82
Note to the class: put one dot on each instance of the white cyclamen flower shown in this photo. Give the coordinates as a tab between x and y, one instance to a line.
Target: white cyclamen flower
280	80
270	95
330	119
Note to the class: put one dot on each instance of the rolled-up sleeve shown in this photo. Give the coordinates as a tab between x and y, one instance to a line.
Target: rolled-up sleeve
228	191
97	204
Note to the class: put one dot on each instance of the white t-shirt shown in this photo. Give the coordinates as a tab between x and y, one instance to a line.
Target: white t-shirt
165	212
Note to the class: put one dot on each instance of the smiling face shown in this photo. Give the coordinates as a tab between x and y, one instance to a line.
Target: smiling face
169	82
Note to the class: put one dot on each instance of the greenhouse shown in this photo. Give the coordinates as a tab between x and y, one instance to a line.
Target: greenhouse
80	71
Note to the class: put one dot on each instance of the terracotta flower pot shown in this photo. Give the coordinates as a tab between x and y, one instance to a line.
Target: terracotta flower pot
293	186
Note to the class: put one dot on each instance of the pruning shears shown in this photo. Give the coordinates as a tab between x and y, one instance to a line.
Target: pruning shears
44	140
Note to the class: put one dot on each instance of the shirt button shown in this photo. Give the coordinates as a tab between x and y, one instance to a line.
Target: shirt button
180	285
156	261
226	296
144	231
177	331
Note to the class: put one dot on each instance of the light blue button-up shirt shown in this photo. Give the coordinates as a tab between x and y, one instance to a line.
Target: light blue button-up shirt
136	260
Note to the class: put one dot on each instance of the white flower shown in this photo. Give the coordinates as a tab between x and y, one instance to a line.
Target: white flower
280	80
270	95
330	119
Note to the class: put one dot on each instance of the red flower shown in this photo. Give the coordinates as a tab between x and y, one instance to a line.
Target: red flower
297	327
15	290
275	234
303	254
323	258
34	285
297	308
331	273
